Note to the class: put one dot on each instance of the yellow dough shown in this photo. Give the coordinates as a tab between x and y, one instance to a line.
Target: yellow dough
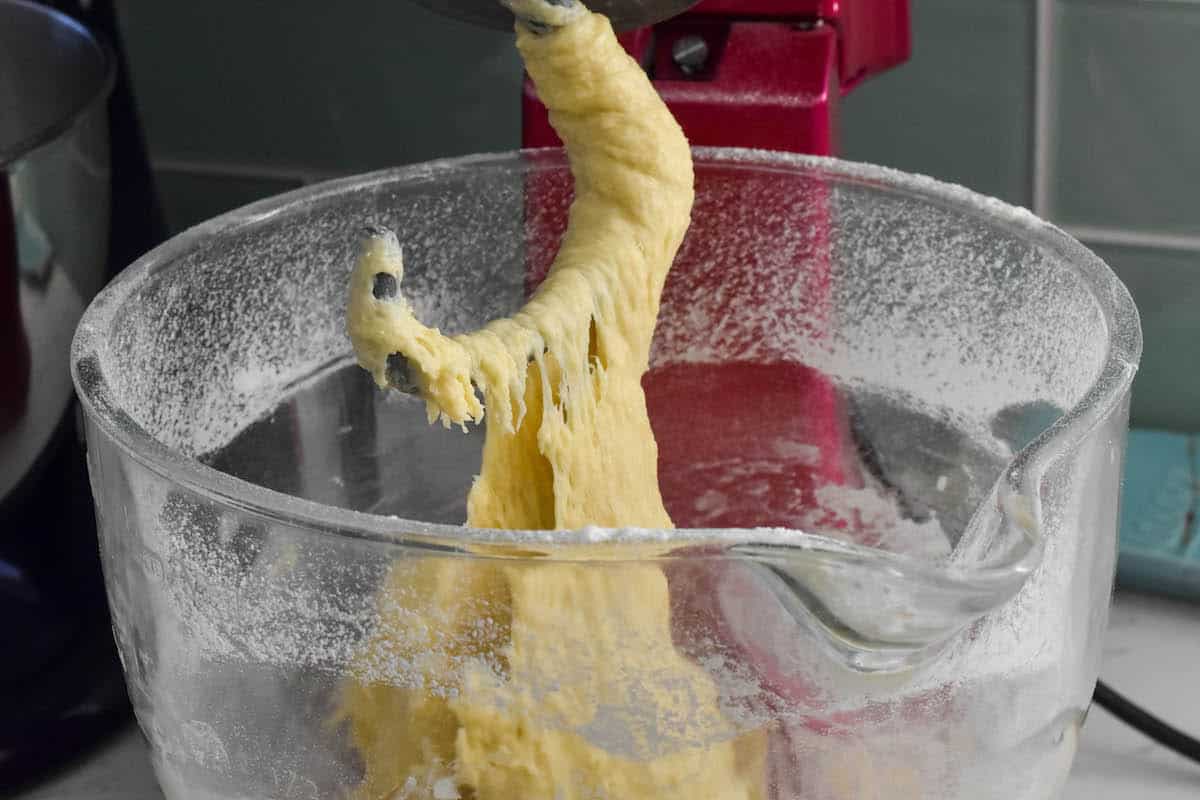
554	681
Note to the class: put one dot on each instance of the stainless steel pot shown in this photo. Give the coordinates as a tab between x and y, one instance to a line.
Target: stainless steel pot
58	683
55	78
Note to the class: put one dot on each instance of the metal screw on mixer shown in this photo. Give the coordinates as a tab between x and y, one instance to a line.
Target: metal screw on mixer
690	54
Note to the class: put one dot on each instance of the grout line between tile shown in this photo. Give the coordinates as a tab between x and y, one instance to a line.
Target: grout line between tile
1123	237
1043	104
236	169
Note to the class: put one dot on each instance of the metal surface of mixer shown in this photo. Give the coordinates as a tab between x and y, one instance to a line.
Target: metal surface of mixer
624	14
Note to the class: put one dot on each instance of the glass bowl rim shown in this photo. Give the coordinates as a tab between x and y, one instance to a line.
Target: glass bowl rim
1020	478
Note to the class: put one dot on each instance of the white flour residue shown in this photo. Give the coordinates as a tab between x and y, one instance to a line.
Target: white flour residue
879	289
799	452
876	517
215	339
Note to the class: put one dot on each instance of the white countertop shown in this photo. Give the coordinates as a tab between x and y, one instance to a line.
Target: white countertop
1150	655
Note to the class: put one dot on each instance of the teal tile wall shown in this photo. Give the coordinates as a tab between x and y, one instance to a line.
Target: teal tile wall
1126	144
961	109
336	87
1165	286
1125	166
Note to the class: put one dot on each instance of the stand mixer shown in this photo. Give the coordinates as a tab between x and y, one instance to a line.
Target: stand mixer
890	416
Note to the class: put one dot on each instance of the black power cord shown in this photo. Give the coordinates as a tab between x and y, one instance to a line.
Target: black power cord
1143	721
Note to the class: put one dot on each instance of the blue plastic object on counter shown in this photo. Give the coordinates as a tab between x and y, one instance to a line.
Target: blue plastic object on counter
1160	528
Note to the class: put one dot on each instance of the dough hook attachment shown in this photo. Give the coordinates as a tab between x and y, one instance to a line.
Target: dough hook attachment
386	286
543	16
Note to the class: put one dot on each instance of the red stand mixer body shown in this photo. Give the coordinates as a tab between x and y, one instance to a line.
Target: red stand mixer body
764	74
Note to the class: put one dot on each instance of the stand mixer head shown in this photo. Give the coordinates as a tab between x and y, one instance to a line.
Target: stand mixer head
624	14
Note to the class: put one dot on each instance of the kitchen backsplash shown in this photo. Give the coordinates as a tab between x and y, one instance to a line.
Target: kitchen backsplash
245	97
1085	111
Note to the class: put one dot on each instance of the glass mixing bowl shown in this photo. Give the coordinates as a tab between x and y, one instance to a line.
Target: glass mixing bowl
890	416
